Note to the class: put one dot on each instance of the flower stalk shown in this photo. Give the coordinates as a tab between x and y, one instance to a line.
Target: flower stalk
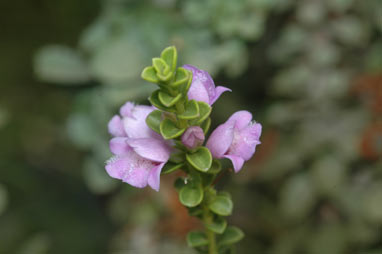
152	141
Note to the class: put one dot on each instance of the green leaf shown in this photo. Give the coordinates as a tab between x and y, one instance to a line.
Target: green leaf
191	110
167	99
196	239
221	205
162	69
230	236
195	211
154	119
182	78
62	65
154	100
201	159
196	178
179	184
179	145
206	125
177	157
170	56
169	130
227	249
218	225
149	74
204	112
171	167
208	179
226	194
215	167
191	195
160	66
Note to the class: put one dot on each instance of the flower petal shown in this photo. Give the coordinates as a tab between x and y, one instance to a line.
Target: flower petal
138	169
198	92
127	109
115	127
135	126
245	141
208	83
190	68
130	168
237	162
218	91
137	177
198	89
154	177
119	146
221	139
242	119
116	166
150	148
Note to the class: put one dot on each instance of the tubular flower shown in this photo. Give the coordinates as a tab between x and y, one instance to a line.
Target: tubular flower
236	139
139	152
202	87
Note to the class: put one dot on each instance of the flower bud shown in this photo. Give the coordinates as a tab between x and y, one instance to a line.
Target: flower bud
193	137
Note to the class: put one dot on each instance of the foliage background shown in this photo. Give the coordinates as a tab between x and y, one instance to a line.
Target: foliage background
310	71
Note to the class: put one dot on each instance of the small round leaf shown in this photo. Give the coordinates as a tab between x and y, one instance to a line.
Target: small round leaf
182	78
206	125
204	112
191	195
162	69
201	159
170	56
222	205
154	100
195	211
149	74
218	225
215	167
230	236
153	120
169	130
167	99
191	110
179	183
170	167
196	239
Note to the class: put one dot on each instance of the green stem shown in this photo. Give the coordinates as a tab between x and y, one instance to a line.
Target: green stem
182	123
207	218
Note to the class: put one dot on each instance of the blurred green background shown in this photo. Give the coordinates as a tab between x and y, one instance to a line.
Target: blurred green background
310	71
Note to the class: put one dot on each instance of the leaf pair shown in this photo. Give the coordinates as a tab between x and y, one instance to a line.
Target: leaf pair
230	236
163	68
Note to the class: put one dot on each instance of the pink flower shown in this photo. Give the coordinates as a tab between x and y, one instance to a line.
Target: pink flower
193	137
236	139
202	87
139	152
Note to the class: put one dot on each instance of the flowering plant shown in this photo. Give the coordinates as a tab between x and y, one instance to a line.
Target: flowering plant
149	141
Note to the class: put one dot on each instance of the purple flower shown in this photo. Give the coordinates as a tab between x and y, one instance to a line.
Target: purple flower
202	87
139	152
193	137
236	139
